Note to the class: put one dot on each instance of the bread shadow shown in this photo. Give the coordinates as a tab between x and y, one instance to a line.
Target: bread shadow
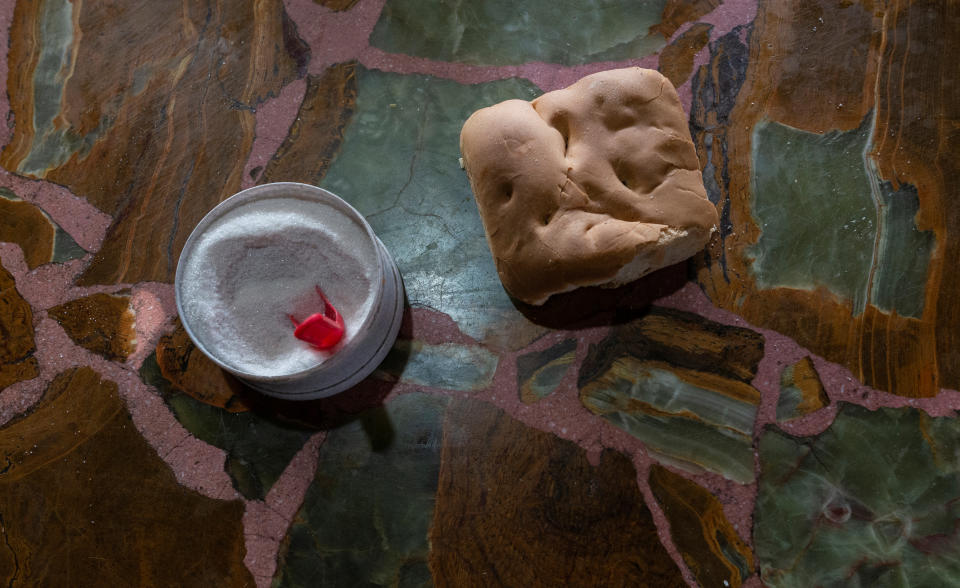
594	306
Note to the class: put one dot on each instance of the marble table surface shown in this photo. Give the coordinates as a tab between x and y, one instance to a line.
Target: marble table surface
779	410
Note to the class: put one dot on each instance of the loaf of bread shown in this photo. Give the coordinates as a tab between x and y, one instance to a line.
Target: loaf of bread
595	184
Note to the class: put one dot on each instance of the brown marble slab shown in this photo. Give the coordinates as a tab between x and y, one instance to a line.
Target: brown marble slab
26	225
75	512
805	85
519	507
682	339
102	323
195	374
676	59
710	546
918	106
676	13
801	391
16	334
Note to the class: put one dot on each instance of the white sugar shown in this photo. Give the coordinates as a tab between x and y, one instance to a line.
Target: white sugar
261	262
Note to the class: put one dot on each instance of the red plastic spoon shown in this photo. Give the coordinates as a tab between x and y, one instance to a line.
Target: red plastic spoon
322	330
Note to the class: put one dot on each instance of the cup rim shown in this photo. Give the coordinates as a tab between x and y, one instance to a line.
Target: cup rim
284	190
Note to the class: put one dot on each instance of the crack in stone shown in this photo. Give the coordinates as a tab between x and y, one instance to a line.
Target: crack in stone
16	560
413	164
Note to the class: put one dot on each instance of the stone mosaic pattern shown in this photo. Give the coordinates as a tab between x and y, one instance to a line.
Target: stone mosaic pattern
805	363
668	380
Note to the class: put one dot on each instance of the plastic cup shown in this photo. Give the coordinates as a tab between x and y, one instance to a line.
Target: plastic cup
355	359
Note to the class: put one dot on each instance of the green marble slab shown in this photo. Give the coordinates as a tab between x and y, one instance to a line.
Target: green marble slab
873	501
812	202
53	145
399	167
683	423
447	365
503	32
901	275
826	220
681	384
366	516
540	372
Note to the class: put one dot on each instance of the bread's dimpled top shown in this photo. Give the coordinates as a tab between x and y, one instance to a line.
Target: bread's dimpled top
597	183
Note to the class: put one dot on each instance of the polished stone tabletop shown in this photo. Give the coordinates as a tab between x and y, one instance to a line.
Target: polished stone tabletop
779	410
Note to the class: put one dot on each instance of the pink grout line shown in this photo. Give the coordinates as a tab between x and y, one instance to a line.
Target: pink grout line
52	284
729	15
274	118
83	221
546	76
154	306
6	18
265	523
334	37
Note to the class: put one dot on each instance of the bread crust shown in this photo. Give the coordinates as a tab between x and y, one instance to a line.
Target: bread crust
595	184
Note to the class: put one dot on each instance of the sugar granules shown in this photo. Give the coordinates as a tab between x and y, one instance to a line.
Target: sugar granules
261	262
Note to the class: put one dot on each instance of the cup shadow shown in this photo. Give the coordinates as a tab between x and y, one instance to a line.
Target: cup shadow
364	401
